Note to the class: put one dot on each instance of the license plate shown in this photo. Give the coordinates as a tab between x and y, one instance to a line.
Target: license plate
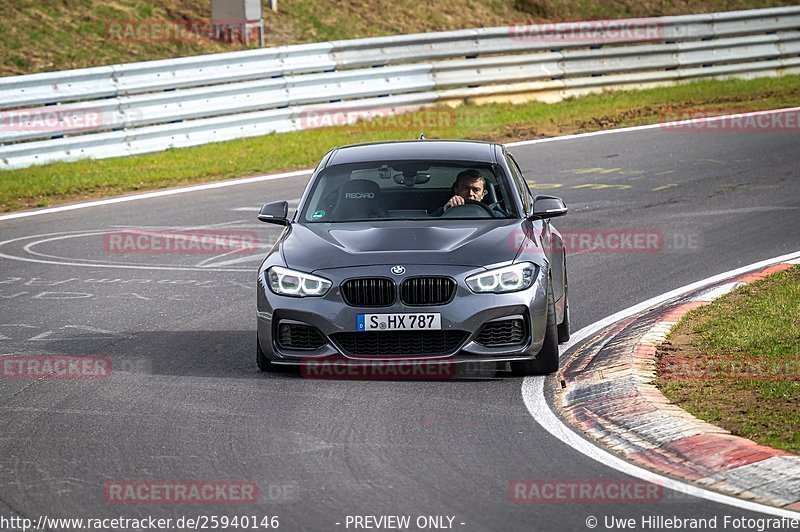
399	322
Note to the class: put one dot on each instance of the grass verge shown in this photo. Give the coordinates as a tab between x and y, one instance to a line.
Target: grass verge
736	362
41	186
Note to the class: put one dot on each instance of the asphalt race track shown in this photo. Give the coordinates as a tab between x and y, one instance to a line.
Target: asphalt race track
185	400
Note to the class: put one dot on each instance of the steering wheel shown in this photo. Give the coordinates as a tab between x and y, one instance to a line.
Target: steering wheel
470	209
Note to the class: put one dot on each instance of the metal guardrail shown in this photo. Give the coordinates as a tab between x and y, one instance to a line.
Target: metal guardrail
155	105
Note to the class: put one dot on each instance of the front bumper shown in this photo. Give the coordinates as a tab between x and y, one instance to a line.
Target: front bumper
466	312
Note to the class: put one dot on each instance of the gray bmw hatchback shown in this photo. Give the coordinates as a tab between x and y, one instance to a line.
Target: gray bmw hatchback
425	250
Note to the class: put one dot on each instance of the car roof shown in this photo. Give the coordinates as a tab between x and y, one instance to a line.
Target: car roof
432	150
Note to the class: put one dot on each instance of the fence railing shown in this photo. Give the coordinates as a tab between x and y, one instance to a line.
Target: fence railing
151	106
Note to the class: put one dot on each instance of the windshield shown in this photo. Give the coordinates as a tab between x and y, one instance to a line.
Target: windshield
407	190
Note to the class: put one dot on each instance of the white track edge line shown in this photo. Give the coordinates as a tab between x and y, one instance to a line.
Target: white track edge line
652	126
246	180
533	396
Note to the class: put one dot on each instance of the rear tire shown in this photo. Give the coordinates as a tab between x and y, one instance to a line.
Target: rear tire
546	361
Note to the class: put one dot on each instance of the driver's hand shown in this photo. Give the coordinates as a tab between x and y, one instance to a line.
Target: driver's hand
452	202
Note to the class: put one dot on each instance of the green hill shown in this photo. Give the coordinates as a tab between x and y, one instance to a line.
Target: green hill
40	36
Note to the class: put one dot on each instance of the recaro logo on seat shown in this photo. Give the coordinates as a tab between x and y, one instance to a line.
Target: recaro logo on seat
359	195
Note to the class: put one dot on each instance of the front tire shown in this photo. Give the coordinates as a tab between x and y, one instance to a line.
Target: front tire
564	327
546	361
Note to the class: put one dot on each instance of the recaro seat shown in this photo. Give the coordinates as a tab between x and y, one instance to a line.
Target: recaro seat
491	194
359	199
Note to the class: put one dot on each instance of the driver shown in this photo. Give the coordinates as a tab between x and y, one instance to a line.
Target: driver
469	185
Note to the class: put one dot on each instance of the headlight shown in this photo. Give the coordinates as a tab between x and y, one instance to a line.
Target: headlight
508	279
287	282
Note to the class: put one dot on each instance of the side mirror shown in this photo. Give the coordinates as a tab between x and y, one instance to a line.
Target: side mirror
548	207
275	213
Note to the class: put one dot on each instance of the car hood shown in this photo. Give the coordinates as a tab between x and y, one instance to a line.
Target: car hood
315	247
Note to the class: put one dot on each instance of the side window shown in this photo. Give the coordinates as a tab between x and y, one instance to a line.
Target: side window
521	184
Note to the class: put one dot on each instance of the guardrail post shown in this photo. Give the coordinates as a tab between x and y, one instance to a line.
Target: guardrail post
244	14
